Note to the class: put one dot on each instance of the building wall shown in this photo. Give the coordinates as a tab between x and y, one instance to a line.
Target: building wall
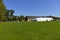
44	19
38	18
29	20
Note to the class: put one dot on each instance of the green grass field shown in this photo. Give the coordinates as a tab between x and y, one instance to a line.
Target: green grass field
29	30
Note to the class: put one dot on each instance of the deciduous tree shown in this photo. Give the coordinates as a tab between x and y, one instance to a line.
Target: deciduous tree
2	10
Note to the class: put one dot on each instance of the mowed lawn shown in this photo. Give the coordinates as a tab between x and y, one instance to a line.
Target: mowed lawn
30	30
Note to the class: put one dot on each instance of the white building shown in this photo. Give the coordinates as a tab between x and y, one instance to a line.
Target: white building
39	18
43	19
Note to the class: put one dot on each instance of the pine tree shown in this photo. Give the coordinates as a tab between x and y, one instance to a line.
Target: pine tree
2	10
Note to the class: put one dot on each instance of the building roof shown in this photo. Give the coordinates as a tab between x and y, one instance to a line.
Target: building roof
38	17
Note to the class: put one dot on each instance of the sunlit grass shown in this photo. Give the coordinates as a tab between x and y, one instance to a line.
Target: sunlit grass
30	30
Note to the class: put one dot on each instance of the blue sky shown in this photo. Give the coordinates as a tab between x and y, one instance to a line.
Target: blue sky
34	7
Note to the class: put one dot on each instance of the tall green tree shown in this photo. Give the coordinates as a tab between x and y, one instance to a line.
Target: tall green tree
15	18
2	10
9	14
22	18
